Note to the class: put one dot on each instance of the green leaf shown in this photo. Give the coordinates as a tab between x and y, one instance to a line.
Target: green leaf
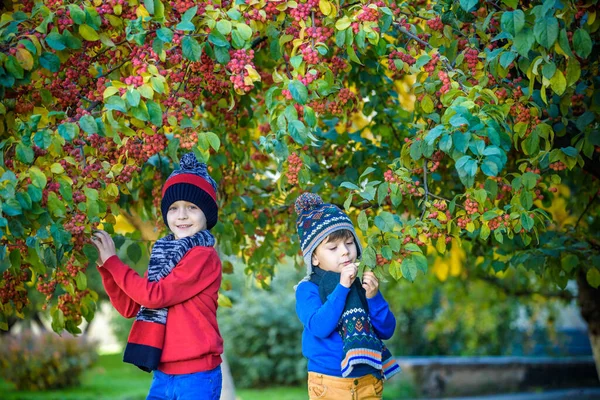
68	130
189	14
545	31
76	14
88	124
50	61
513	21
214	140
224	26
81	281
133	97
385	221
297	131
568	262
38	178
531	145
526	199
115	103
489	167
244	30
421	262
468	5
134	252
582	43
409	269
25	153
165	34
526	221
155	113
593	277
191	48
523	42
363	223
13	66
484	232
298	91
55	41
570	151
217	38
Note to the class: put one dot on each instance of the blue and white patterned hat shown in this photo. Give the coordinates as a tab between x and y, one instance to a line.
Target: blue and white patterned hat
317	220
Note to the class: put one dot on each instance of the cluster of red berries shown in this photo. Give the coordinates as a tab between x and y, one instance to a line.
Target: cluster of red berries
13	288
472	58
471	206
237	66
432	64
368	14
294	166
436	24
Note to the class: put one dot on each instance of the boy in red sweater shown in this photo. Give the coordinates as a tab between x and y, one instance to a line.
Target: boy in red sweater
175	333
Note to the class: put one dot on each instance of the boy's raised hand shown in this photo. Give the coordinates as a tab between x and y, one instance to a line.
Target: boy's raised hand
104	244
348	275
370	283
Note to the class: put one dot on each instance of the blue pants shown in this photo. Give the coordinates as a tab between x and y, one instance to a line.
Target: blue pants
204	385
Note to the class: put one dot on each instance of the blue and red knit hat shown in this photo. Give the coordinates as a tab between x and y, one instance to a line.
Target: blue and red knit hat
191	182
317	220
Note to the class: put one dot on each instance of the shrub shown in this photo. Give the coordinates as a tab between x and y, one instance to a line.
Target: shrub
262	334
44	361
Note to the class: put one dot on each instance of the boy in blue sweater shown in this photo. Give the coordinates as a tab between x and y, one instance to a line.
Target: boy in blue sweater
344	320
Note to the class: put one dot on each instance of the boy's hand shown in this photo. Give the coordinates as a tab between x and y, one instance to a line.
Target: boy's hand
370	283
104	244
348	275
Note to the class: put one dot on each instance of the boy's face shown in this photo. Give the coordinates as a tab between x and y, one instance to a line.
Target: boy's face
185	219
333	255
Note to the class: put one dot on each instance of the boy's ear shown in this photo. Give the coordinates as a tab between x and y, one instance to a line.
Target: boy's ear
315	259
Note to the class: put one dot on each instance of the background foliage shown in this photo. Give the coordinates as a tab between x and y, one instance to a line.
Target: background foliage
434	124
44	362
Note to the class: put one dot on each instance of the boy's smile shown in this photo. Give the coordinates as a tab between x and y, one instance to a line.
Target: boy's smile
185	219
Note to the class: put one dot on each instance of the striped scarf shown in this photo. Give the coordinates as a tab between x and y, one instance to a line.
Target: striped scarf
146	339
361	345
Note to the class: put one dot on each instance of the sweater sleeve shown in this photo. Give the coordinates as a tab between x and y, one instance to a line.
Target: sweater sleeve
120	301
382	318
318	318
197	270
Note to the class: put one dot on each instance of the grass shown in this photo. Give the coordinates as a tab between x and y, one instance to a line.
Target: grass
111	379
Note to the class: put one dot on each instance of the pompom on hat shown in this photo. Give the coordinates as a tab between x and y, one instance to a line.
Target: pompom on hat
317	220
191	182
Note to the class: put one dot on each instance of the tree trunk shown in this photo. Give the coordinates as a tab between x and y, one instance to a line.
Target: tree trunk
588	299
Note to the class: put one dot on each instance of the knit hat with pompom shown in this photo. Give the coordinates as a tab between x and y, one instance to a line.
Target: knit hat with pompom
317	220
191	182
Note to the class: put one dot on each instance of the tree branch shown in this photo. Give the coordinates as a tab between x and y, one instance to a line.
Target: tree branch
587	208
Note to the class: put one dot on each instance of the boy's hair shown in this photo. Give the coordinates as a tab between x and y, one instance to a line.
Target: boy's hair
191	182
342	234
317	221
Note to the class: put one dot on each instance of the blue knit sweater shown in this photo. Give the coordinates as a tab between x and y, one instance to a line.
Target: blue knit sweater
321	343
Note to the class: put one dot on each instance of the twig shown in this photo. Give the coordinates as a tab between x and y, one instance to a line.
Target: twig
426	188
587	208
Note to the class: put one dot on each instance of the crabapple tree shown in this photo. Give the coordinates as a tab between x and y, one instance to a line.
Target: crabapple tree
432	122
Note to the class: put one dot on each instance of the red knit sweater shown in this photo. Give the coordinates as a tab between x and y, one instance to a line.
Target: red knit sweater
192	339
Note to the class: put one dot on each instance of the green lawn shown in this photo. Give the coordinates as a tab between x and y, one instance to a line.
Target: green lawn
111	379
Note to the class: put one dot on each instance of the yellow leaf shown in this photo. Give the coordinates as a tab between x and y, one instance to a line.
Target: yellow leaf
88	33
57	169
36	43
142	12
470	227
591	17
146	91
109	91
118	9
252	73
440	245
112	190
427	104
558	82
325	7
25	59
342	23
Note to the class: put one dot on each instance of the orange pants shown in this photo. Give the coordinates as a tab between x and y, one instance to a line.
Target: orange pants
326	387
